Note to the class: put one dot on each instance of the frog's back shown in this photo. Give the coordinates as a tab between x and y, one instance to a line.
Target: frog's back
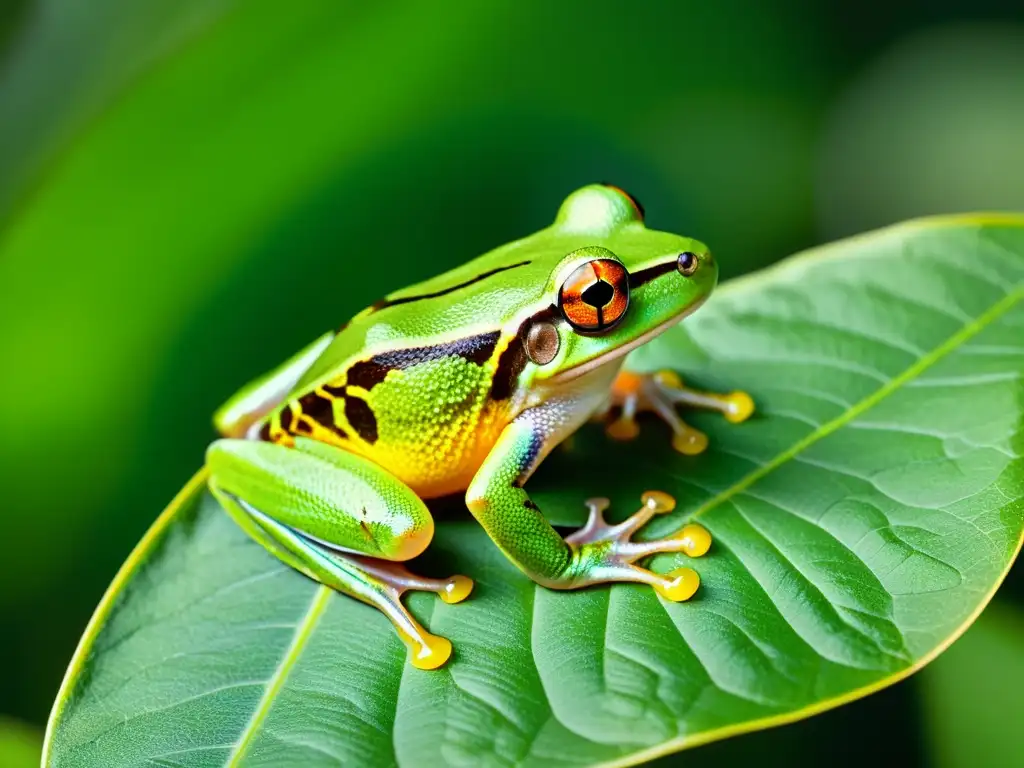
423	381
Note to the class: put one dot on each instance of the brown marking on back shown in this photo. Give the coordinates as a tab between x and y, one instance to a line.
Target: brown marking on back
369	373
334	390
316	408
287	417
360	417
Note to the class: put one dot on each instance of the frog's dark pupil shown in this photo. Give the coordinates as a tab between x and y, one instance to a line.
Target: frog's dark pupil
599	294
686	261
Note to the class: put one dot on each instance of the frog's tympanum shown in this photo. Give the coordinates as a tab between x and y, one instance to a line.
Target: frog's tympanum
464	383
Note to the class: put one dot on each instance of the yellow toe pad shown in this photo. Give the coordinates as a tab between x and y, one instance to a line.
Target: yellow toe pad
433	653
681	585
457	589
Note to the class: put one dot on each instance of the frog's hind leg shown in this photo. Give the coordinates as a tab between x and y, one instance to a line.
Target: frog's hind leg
378	583
661	392
339	520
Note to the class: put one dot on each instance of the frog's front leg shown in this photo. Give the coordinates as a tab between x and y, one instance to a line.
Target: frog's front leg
596	553
339	519
661	392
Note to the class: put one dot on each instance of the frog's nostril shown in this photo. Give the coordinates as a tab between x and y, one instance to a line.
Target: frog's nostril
598	294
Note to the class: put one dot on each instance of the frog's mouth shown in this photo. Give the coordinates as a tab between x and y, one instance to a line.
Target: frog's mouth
594	363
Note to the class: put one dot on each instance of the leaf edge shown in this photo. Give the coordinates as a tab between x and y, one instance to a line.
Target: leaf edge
106	604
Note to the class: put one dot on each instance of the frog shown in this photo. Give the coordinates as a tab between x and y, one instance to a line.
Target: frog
462	385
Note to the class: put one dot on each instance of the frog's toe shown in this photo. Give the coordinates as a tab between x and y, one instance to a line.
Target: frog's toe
623	428
739	407
430	651
607	553
686	439
680	585
735	406
387	582
626	392
456	589
660	393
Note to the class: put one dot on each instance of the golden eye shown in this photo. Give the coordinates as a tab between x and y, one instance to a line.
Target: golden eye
687	263
595	296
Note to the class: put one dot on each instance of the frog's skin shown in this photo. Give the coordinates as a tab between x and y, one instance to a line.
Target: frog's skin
464	383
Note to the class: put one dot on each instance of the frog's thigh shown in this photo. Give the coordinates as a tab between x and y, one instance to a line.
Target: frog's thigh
324	493
305	503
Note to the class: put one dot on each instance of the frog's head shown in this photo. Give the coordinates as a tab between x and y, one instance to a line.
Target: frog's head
622	284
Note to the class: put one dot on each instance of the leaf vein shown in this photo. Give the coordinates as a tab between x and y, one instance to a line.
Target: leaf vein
303	631
953	342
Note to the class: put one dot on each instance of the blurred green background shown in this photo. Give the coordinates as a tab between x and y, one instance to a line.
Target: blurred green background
192	189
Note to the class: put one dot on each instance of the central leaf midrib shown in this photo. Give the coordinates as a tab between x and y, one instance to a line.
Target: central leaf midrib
303	631
968	331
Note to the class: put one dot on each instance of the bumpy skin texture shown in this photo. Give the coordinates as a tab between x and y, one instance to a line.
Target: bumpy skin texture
444	387
331	495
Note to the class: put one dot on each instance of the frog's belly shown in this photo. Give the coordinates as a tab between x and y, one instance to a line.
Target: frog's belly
436	457
435	425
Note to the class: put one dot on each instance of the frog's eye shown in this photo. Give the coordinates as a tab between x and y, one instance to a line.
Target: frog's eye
595	296
687	263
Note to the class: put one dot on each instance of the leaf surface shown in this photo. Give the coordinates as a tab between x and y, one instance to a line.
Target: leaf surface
861	521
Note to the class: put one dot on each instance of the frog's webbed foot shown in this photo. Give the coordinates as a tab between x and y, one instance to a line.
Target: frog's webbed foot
387	582
607	553
661	392
379	583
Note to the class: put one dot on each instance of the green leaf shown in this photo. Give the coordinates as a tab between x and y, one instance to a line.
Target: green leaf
861	521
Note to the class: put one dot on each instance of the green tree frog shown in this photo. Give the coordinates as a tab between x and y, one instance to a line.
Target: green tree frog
463	384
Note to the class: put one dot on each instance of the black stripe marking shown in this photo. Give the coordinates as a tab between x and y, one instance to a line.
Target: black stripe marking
384	303
514	358
287	415
360	416
367	374
510	364
474	349
316	408
330	389
636	279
